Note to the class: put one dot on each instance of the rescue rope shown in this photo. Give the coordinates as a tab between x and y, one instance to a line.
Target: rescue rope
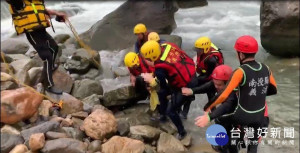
82	44
53	101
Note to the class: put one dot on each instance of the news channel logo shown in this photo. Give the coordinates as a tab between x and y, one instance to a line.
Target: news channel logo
216	135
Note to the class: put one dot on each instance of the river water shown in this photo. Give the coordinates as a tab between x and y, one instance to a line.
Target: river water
223	22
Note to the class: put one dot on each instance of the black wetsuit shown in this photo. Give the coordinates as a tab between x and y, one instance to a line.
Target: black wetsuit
47	49
177	99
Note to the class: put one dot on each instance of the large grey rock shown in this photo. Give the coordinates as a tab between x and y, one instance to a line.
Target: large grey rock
117	91
64	145
138	108
111	61
14	46
120	71
90	101
149	149
42	128
191	3
90	55
22	64
168	127
77	64
35	75
84	88
100	124
6	58
119	144
15	57
23	76
70	104
80	115
279	27
123	127
10	130
172	38
63	81
168	143
8	85
5	67
91	74
137	119
115	27
50	135
147	132
74	133
20	148
19	104
9	141
95	146
61	38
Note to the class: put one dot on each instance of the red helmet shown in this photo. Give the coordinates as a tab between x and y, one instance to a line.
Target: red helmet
222	72
246	44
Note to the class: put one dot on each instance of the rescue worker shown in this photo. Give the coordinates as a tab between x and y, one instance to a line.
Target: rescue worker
140	31
164	89
220	76
30	17
254	81
174	65
208	57
155	36
137	65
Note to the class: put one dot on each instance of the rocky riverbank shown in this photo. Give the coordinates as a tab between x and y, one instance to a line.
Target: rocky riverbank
100	110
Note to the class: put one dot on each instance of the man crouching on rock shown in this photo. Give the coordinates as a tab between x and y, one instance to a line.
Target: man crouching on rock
137	65
31	17
174	65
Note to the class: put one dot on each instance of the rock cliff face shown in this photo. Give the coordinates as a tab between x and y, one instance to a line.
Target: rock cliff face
279	27
115	31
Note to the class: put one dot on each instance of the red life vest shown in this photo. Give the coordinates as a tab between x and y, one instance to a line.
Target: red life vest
180	67
201	59
143	68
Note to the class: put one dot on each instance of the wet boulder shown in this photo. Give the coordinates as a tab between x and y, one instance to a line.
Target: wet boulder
86	87
19	104
9	141
100	124
63	81
117	91
279	27
168	143
191	3
146	132
64	145
14	46
61	38
124	145
115	27
172	38
41	128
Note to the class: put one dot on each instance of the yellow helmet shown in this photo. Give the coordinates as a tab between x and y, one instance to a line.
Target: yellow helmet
204	43
153	36
151	50
139	28
131	59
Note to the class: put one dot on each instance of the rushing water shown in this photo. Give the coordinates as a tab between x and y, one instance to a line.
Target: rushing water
223	22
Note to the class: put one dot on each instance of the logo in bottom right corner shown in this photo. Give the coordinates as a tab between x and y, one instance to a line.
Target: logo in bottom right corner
216	135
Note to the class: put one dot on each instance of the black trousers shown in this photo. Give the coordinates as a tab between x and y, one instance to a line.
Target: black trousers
47	49
177	101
